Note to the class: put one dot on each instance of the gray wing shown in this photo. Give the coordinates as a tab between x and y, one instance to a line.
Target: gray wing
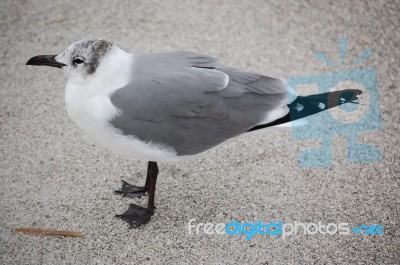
186	101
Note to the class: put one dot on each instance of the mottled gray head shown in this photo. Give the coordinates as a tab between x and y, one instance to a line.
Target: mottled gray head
81	57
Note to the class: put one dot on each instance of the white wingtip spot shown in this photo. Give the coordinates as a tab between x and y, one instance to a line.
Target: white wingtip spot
358	96
321	105
299	107
342	99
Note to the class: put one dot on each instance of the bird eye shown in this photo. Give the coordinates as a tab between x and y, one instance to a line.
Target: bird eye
78	61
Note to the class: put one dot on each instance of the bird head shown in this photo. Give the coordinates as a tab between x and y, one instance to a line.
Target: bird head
80	59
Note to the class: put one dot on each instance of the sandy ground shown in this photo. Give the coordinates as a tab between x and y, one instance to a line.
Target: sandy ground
52	176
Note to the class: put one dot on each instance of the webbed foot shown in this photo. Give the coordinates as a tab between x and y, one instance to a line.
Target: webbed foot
136	215
132	191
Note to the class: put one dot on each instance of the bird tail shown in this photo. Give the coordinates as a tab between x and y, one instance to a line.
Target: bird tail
304	106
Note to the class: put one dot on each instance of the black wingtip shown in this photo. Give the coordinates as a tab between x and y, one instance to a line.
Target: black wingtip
336	98
313	104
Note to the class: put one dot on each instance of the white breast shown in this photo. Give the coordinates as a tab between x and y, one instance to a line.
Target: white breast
89	106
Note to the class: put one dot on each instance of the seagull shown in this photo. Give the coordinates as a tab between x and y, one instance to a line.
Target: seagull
168	107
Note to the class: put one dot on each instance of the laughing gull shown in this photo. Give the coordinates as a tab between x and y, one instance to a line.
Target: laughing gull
166	107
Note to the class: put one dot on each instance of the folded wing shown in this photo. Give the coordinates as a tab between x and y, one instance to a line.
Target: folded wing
191	103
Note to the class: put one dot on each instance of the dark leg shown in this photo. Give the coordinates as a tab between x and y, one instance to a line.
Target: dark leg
133	191
153	169
137	215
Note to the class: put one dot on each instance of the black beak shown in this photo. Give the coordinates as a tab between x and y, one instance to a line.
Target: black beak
48	60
